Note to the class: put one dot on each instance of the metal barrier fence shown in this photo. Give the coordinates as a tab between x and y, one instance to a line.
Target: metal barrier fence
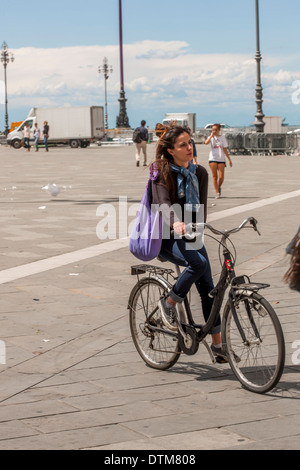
263	144
2	139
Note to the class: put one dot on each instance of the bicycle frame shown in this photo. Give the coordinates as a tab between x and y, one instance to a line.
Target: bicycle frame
227	278
227	274
251	334
237	286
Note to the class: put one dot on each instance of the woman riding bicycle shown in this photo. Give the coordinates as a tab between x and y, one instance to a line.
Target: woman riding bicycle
182	184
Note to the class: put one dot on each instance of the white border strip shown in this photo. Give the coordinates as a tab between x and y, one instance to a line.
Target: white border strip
19	272
41	266
253	205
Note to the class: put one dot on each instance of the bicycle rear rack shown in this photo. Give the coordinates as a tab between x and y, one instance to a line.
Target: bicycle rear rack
244	283
143	268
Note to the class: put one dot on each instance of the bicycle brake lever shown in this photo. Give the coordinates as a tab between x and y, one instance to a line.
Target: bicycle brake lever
253	222
189	236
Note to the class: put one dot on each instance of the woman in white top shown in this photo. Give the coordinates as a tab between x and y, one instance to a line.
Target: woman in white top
217	161
26	137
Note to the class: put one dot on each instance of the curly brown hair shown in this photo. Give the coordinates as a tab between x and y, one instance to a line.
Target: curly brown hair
292	276
168	136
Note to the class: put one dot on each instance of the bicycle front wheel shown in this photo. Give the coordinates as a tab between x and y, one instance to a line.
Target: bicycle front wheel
257	360
157	345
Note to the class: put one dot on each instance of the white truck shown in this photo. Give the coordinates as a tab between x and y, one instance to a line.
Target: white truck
182	119
76	126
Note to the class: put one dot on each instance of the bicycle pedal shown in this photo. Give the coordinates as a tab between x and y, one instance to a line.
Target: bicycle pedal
221	360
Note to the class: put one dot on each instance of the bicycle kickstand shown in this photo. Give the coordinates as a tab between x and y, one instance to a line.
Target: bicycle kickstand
213	359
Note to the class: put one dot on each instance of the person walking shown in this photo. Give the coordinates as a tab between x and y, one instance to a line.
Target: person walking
46	135
194	159
181	183
36	134
141	143
26	137
217	160
194	153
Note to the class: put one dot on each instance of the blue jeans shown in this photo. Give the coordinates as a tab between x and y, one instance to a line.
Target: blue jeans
46	142
26	143
197	271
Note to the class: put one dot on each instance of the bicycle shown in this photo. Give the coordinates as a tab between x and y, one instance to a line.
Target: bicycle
252	337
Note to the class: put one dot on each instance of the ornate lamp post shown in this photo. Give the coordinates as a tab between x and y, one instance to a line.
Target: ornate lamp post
259	123
6	57
106	70
122	119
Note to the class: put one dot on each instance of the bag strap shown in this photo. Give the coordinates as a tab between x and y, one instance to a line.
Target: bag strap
150	191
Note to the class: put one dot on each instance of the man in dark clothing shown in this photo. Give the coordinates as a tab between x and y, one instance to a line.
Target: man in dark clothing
142	145
46	135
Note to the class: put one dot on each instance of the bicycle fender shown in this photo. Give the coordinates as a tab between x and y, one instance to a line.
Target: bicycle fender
161	279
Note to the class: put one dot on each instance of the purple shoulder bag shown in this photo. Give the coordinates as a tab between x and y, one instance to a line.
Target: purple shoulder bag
146	237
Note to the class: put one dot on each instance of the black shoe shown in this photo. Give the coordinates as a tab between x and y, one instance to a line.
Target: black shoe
168	315
137	163
220	355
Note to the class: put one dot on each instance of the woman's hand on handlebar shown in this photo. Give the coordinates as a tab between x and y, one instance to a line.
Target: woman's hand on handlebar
179	228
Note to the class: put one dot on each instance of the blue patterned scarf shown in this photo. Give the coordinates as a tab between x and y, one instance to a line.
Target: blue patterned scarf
188	186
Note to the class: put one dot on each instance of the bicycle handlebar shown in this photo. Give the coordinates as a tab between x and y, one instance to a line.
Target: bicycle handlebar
193	229
250	220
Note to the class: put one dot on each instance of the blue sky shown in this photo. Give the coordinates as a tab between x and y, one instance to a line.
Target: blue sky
192	56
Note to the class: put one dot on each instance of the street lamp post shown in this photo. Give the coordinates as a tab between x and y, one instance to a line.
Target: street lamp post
259	123
122	119
6	57
106	70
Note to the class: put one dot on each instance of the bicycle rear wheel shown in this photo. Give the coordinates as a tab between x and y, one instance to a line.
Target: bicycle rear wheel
159	347
258	361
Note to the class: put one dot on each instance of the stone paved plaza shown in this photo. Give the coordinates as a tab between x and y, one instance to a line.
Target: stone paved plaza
72	378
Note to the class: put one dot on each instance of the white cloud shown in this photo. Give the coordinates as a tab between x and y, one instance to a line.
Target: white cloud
157	74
